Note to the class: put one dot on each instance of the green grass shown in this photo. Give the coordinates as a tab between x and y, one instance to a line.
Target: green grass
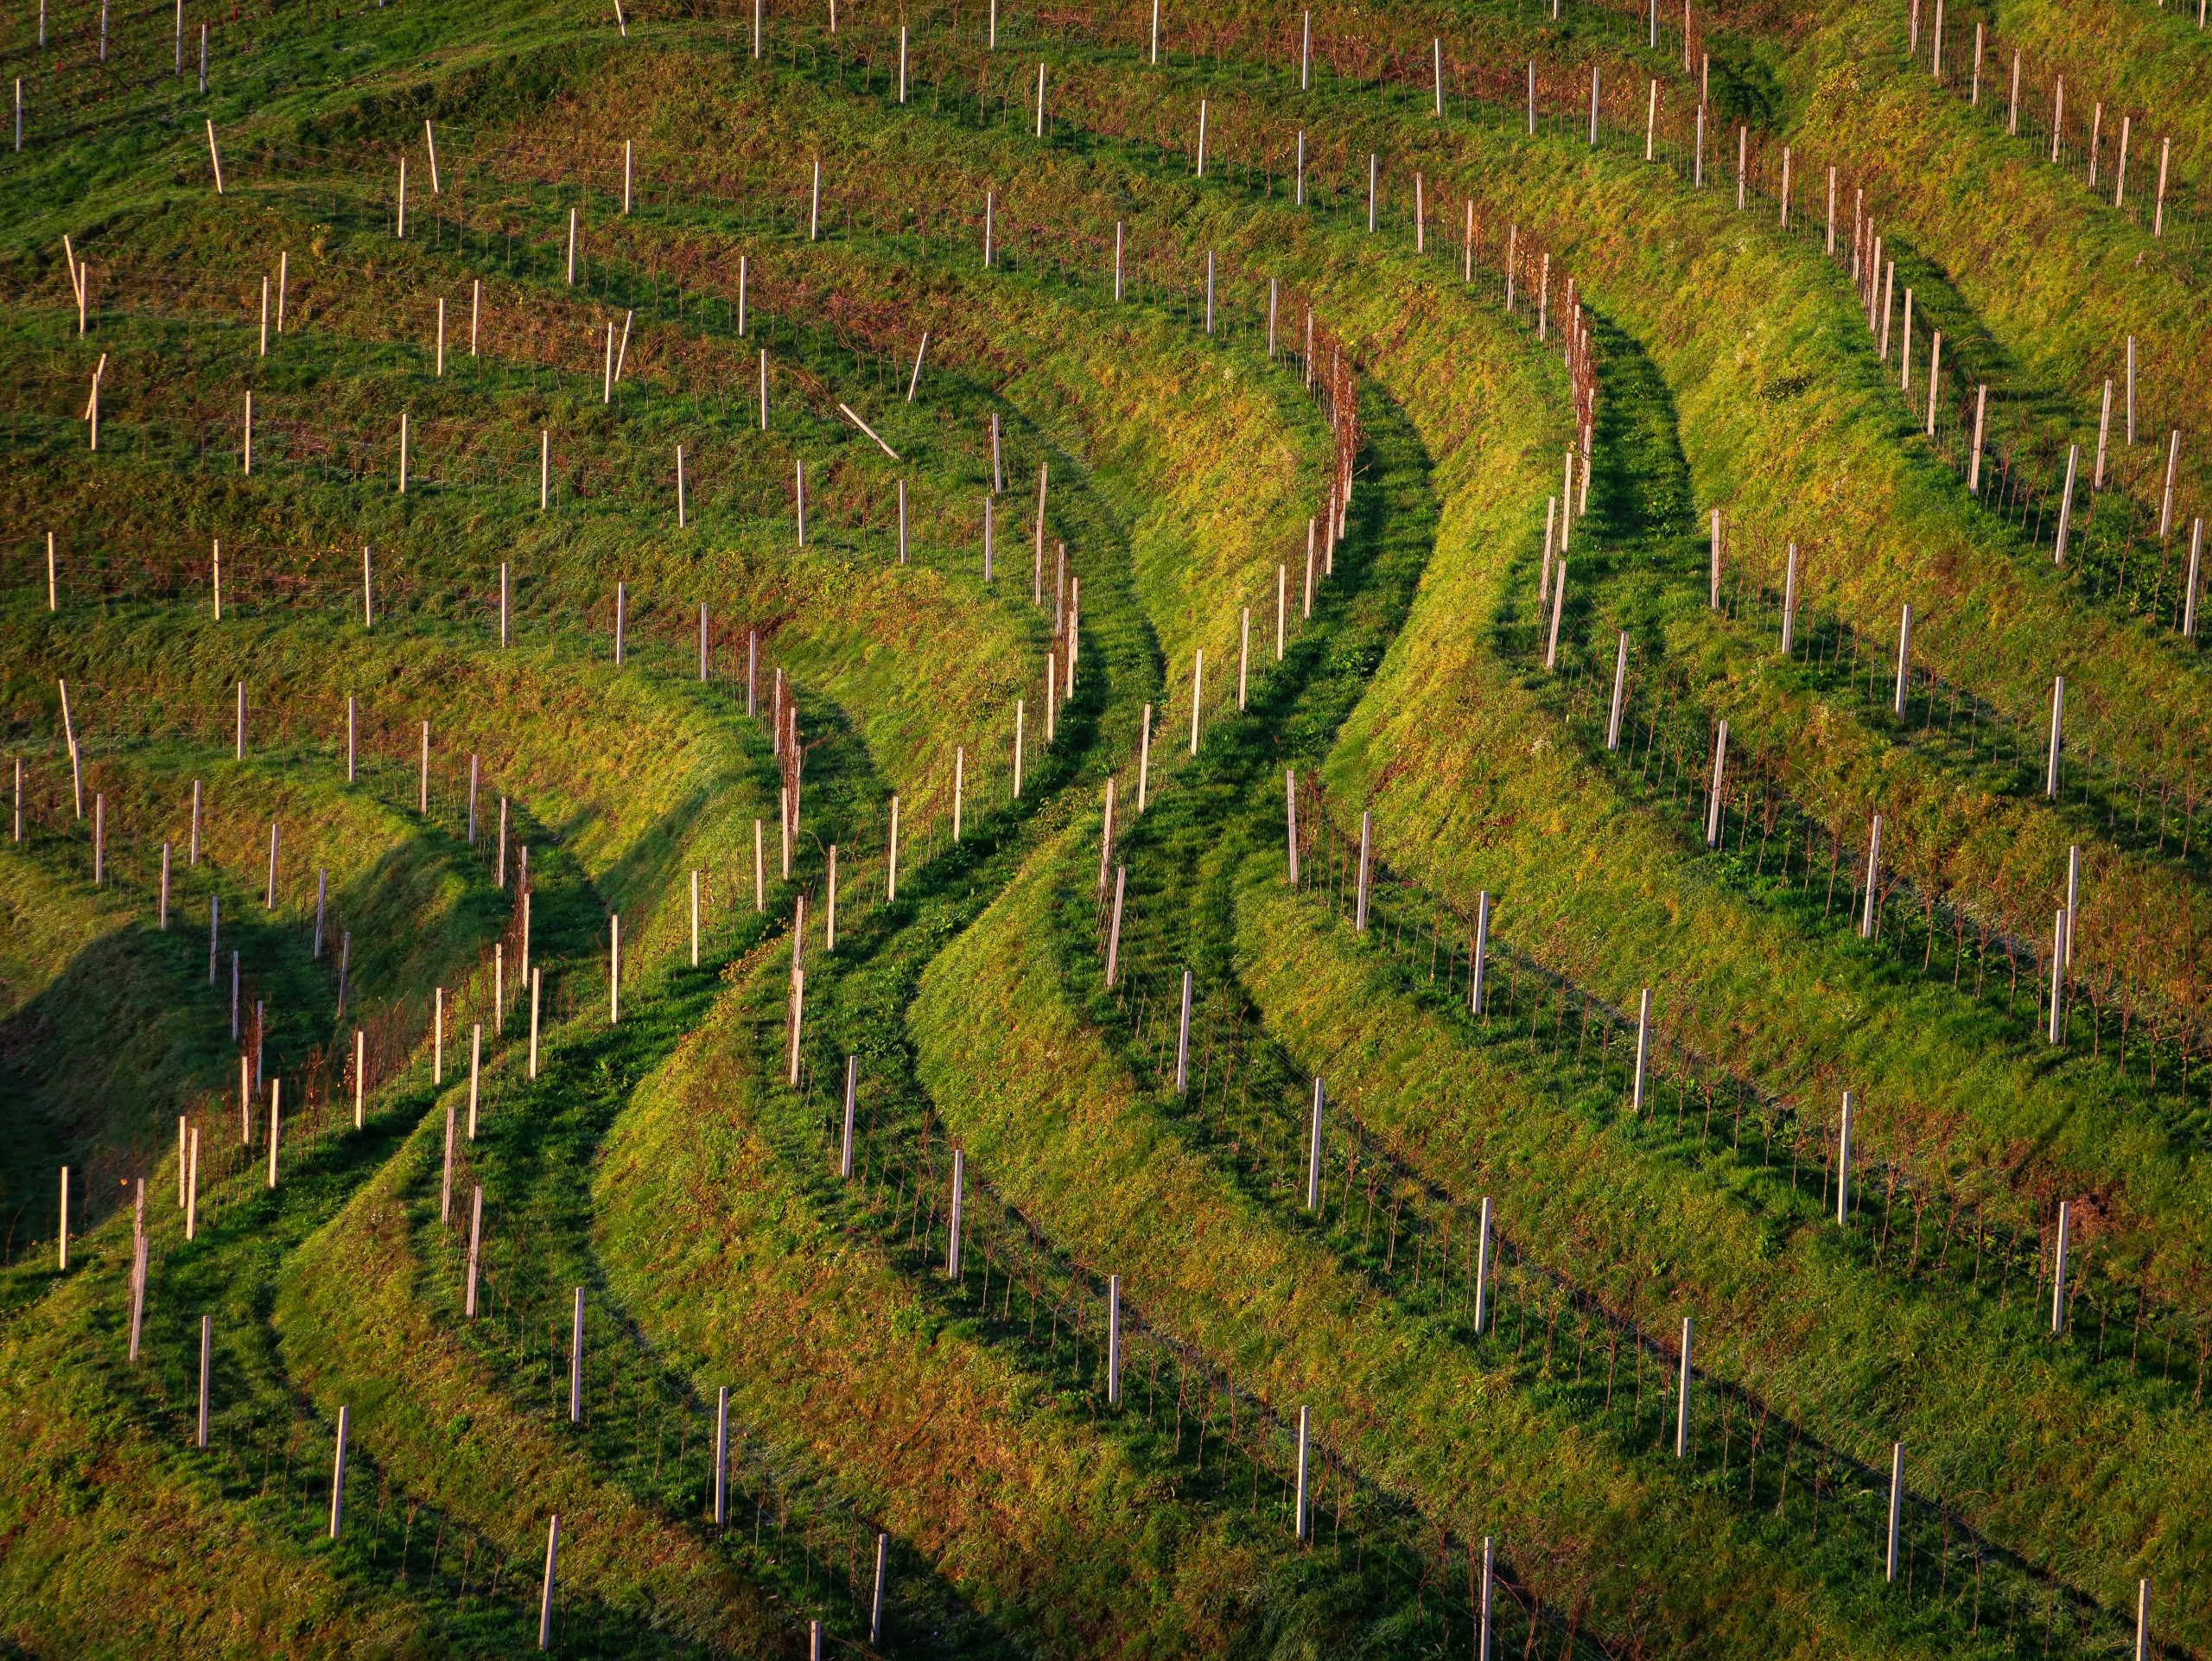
663	1163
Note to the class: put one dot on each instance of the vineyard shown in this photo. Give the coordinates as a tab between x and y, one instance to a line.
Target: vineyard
1106	830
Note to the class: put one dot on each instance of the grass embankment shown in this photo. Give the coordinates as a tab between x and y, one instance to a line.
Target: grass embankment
1207	412
1920	1338
1721	1036
2060	278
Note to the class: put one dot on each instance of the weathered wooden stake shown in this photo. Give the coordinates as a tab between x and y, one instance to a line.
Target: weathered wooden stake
360	1074
1362	887
2188	591
1559	608
206	1366
1643	1050
475	1073
338	1472
138	1270
536	988
1313	1148
1114	929
475	1247
1475	979
2058	736
1896	1508
1720	778
1483	1268
1870	921
1144	760
1183	1041
553	1528
952	1227
1843	1161
1682	1395
2066	505
797	1023
1305	1434
1620	693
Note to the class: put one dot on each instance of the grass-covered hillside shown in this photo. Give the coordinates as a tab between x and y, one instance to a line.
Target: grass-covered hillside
1110	831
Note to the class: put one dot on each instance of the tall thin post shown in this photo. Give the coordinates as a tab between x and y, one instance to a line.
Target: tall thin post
552	1570
1483	1268
1843	1161
1314	1148
1682	1396
1896	1508
1183	1041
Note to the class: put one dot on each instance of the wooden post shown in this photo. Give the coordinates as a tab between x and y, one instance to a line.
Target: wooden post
1144	760
1305	1433
1620	693
1643	1051
475	1247
1313	1148
1290	798
2058	736
2104	436
138	1270
1559	610
1720	778
2166	503
1366	871
206	1365
553	1528
2058	1271
1843	1161
1475	1003
2188	603
851	1104
1244	656
1896	1508
360	1074
536	990
1870	922
1973	461
1935	377
883	1540
1904	662
2057	1033
952	1227
191	1186
1489	1579
1682	1395
797	1022
475	1073
614	969
1482	1269
2066	504
1114	930
1183	1041
338	1472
